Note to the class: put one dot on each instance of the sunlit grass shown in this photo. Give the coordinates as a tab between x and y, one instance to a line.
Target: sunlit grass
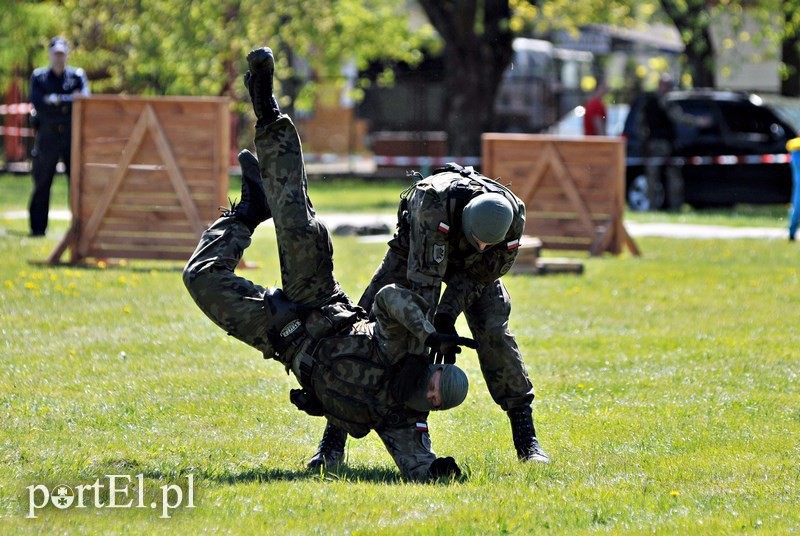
667	391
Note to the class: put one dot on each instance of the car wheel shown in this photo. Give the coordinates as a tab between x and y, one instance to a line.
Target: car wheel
645	194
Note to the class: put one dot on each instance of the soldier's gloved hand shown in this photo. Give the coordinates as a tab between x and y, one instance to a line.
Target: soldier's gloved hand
444	467
447	346
414	369
446	325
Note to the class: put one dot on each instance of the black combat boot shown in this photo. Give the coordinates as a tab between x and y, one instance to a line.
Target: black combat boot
252	208
528	449
259	84
331	448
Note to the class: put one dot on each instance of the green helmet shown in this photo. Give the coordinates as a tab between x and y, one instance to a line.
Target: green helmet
453	388
487	217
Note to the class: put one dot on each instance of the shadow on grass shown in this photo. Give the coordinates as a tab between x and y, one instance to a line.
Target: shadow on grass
339	473
257	474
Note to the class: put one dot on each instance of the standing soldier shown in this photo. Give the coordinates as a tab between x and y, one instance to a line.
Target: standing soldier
359	374
463	229
52	91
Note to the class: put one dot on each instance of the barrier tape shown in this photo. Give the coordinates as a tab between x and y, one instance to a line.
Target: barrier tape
17	131
23	108
720	160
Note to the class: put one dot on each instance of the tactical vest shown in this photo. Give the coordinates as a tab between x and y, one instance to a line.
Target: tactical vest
461	192
351	384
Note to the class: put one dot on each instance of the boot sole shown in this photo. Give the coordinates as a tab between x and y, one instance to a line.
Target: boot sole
261	58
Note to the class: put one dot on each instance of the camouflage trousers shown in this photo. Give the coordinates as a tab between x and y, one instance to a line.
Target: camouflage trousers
304	245
487	316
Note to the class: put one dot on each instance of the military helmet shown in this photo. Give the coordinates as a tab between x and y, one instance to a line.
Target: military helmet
487	218
453	388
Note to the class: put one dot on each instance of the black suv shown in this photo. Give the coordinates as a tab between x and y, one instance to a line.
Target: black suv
728	160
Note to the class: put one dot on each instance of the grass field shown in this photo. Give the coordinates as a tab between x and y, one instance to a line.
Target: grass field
667	398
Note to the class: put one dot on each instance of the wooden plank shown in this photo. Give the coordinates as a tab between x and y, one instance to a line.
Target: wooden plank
139	253
146	215
176	227
581	179
127	156
130	184
144	240
174	173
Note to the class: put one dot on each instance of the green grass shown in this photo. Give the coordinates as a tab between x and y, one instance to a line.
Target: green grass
667	398
381	196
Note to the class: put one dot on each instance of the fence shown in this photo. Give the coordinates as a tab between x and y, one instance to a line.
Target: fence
574	189
148	174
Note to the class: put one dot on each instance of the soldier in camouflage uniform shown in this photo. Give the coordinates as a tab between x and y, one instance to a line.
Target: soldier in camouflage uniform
463	229
360	374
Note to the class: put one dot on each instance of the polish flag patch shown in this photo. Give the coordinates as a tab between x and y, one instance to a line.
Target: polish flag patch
422	427
443	227
514	244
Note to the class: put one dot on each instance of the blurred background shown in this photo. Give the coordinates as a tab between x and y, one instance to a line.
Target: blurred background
372	80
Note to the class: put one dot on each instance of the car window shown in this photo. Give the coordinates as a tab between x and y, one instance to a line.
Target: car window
752	122
699	120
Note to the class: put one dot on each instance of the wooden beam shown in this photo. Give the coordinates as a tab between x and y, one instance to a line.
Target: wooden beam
134	142
173	171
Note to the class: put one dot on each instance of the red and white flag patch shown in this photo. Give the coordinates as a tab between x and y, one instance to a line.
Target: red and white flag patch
514	244
443	227
422	427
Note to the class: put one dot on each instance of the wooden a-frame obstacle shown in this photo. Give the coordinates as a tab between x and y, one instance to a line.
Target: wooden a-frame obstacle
573	188
148	175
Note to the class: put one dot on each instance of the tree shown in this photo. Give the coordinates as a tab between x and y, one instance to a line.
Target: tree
477	49
198	48
790	49
692	18
25	29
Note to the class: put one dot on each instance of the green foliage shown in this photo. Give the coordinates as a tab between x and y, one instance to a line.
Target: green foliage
25	30
666	397
198	48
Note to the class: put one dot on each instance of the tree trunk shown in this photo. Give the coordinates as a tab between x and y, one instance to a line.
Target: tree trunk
693	25
477	52
790	53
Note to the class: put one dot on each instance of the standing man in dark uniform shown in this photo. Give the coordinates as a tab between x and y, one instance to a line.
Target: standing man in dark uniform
52	91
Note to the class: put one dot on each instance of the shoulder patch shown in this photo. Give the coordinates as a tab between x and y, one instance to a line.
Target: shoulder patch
444	228
439	253
513	244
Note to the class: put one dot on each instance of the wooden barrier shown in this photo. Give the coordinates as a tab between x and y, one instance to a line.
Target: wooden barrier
148	174
573	188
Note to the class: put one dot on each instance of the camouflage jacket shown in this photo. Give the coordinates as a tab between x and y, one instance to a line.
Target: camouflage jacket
352	373
438	250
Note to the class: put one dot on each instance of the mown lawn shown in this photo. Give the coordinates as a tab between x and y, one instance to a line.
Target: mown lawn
667	398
